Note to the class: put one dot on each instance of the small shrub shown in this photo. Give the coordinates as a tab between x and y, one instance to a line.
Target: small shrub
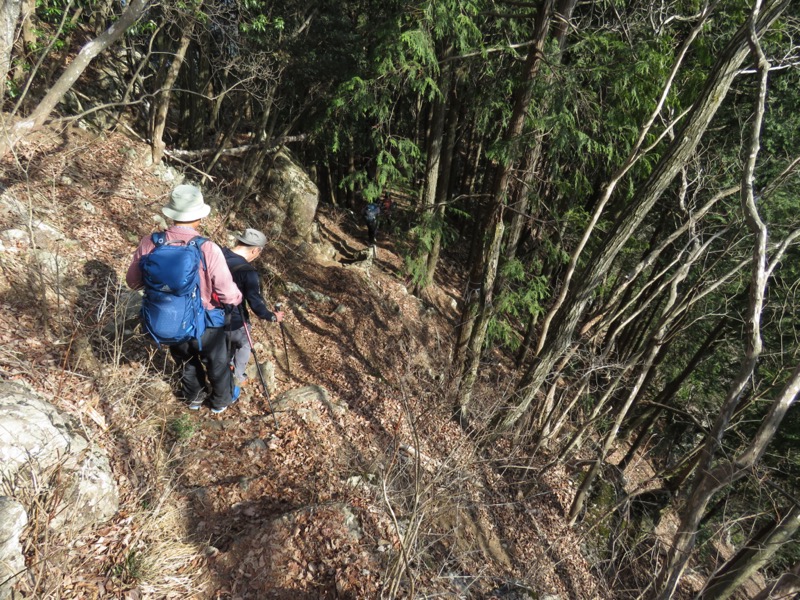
182	428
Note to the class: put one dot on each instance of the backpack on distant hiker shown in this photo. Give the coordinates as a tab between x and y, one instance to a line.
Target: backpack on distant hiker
172	308
371	212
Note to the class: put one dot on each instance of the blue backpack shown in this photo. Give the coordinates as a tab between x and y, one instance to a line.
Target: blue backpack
172	308
371	212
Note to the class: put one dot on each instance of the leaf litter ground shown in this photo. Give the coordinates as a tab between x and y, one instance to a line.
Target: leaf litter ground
315	508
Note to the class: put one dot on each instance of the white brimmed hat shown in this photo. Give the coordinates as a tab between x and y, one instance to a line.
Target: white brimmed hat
252	237
186	204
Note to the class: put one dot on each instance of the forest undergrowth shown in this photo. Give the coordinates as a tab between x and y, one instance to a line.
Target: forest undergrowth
381	494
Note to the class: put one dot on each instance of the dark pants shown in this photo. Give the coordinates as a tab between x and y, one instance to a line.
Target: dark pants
240	353
206	368
372	230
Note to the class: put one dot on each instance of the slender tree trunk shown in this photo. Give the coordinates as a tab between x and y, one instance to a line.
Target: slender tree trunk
10	136
433	161
672	388
443	186
481	305
655	343
678	152
752	557
10	11
224	141
712	478
161	107
784	588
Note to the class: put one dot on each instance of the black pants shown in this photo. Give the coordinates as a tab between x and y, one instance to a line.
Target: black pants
206	369
372	230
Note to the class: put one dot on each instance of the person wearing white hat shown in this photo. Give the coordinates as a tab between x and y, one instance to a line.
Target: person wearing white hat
250	245
204	364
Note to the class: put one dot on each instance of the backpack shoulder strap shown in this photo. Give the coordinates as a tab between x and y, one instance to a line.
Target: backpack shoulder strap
198	241
159	238
243	267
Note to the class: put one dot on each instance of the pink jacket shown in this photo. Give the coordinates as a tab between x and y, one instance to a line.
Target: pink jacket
216	279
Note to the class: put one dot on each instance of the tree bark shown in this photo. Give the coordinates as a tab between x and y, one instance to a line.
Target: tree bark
481	305
443	187
752	557
19	130
161	107
649	356
9	16
671	388
711	478
786	587
433	163
678	152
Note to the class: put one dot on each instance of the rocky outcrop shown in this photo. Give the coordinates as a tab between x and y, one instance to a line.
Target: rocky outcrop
13	519
307	402
43	450
293	200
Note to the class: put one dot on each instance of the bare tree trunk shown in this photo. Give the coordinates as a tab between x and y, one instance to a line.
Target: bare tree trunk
671	388
785	588
752	557
443	186
571	307
12	135
9	16
481	305
654	346
710	478
433	161
161	107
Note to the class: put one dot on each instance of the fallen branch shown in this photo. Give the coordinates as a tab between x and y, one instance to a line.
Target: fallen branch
272	146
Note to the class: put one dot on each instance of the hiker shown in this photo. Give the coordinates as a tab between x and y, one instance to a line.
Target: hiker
386	208
203	360
370	213
239	258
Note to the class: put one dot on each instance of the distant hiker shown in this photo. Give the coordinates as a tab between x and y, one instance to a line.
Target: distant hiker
370	213
386	208
162	265
251	244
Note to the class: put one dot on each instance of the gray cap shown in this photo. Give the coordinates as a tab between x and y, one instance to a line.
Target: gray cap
186	204
252	237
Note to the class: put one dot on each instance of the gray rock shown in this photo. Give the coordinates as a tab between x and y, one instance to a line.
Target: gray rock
13	519
87	207
267	372
296	196
48	450
168	174
256	444
306	401
126	315
14	235
293	288
53	265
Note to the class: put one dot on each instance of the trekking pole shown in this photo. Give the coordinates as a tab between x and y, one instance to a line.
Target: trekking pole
260	374
285	348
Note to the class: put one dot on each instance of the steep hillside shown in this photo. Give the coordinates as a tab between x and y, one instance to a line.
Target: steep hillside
365	488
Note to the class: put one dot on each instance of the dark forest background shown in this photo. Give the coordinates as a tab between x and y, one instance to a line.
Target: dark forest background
615	182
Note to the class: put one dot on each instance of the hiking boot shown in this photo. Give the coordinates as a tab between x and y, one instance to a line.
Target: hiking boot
196	403
235	398
217	411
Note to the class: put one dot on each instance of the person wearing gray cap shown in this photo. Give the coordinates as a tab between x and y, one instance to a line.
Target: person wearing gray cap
250	244
204	363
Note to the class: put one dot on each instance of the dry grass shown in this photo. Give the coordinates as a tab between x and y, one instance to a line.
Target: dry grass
65	336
